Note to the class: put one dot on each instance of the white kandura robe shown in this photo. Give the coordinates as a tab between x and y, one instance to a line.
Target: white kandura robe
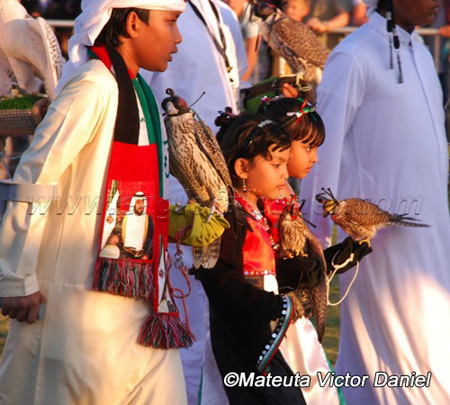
84	351
386	141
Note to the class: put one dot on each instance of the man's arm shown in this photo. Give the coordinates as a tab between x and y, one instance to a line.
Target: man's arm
68	126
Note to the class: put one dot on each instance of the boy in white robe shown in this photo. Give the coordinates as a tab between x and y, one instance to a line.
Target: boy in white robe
68	344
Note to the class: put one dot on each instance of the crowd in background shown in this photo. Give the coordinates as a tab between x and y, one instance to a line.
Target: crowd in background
321	16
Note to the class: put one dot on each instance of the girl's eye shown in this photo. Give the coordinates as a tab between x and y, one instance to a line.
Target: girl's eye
276	165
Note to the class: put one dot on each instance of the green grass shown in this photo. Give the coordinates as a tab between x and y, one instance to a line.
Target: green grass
331	338
19	103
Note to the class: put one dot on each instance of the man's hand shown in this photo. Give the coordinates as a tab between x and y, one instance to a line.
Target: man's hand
24	309
289	90
316	25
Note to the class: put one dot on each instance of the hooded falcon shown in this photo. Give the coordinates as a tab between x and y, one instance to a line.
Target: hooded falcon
196	160
28	50
359	218
295	239
293	40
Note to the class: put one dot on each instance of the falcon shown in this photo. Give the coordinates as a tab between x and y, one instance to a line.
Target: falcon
359	218
196	160
28	50
293	40
295	239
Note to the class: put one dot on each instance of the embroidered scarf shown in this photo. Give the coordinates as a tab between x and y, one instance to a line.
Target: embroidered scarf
132	260
258	254
259	260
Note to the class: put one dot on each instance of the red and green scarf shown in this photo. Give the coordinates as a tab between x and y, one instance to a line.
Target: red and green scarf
132	259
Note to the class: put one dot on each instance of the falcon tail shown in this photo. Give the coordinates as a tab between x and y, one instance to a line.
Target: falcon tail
319	303
206	256
402	220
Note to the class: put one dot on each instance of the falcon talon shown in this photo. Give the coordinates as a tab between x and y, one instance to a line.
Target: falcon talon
179	208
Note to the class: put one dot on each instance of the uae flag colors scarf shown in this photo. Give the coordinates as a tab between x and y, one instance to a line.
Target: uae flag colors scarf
132	259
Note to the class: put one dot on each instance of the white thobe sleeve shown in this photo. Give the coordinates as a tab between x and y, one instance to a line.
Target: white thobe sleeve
237	50
69	125
338	97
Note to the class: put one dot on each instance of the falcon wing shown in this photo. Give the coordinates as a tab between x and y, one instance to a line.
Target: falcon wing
185	158
6	75
49	70
207	142
30	47
300	40
319	294
364	213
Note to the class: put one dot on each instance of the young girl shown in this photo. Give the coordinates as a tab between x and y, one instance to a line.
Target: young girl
301	348
248	318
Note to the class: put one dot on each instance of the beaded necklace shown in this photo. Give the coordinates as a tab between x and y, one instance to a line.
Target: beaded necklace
259	218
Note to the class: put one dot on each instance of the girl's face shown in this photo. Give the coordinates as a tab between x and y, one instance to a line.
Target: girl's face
303	158
267	178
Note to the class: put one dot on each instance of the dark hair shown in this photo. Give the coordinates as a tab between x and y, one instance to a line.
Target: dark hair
247	136
382	5
309	128
116	25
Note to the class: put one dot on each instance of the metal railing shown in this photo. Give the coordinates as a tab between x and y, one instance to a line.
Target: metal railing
423	32
344	31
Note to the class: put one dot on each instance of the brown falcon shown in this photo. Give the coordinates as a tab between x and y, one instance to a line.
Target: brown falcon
293	40
359	218
296	239
196	160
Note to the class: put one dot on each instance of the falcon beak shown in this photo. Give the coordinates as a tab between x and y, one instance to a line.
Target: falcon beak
170	109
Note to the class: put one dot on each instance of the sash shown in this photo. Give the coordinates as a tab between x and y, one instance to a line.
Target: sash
132	259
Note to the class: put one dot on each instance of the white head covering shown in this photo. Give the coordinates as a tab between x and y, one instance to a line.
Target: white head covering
94	16
136	225
371	6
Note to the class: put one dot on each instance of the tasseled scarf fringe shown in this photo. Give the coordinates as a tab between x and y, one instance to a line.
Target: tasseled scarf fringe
125	278
163	331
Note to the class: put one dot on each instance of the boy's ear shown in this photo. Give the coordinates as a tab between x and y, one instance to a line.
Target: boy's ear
241	167
131	24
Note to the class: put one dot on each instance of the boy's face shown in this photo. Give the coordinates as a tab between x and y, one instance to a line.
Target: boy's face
157	41
303	158
415	12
